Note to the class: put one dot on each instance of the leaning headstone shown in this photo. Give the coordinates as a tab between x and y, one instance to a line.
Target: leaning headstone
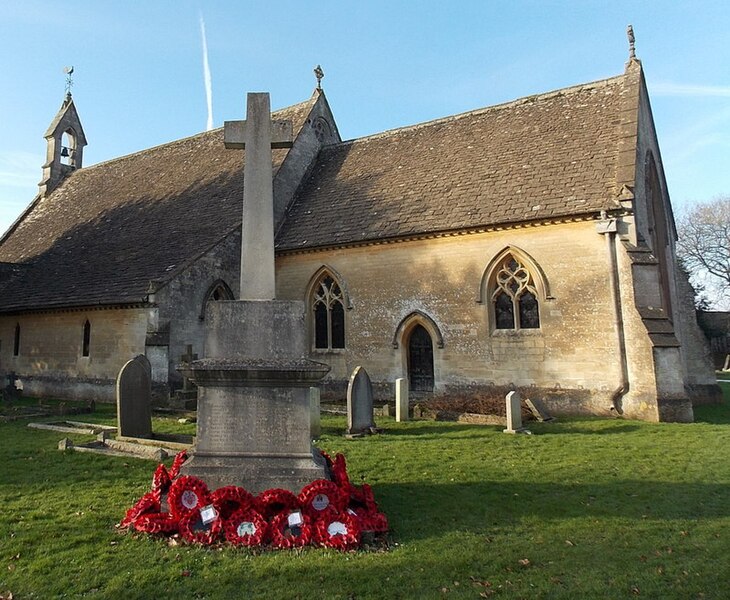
314	412
360	403
538	410
401	399
134	395
514	413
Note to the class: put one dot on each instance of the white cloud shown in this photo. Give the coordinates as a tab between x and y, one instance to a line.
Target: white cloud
667	88
20	169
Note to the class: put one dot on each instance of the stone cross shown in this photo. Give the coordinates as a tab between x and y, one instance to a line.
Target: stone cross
186	359
258	134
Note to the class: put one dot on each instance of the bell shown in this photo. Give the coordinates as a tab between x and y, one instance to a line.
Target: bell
64	152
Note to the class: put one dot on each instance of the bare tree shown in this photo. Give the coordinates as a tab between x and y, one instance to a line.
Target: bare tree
704	242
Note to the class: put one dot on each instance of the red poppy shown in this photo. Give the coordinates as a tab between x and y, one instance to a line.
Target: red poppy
156	523
274	501
177	462
230	499
187	494
195	531
340	530
146	504
246	527
290	529
160	481
320	495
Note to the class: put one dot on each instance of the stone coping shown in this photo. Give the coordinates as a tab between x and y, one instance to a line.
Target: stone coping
238	363
243	371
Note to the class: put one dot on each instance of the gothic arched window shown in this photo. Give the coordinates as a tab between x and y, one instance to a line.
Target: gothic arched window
328	305
514	296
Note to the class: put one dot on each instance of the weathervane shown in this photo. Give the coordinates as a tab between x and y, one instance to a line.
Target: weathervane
69	79
319	74
632	49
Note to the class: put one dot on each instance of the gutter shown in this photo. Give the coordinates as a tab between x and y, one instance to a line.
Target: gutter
608	228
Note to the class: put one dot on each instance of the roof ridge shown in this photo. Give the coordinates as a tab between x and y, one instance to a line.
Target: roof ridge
186	138
483	110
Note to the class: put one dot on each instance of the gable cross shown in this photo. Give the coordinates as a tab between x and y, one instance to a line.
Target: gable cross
258	134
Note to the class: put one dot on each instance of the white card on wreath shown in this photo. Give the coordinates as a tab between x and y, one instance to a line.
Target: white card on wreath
208	514
295	519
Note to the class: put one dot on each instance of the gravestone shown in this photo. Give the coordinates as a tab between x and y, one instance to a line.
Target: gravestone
314	412
514	413
134	396
254	415
401	399
538	410
360	403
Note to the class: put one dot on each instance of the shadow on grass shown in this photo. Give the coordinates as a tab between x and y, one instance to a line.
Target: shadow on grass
416	510
717	414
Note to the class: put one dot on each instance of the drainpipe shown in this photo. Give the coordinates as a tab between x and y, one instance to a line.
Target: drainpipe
607	227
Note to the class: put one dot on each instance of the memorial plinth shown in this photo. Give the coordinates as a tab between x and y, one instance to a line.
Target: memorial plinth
253	406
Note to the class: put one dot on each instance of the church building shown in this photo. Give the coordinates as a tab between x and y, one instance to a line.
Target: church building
529	244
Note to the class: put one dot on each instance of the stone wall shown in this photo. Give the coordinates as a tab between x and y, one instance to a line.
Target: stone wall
50	361
181	302
574	349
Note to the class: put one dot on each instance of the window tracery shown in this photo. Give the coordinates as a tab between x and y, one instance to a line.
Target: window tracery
514	296
329	314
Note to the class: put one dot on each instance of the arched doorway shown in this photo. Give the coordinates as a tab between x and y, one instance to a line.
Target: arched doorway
420	360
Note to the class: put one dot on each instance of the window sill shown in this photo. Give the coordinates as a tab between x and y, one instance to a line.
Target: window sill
516	332
323	351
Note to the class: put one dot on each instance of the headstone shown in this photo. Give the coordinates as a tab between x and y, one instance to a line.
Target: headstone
360	403
514	413
538	410
401	399
134	395
12	391
186	359
314	414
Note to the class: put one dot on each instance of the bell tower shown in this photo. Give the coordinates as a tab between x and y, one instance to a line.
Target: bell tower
65	146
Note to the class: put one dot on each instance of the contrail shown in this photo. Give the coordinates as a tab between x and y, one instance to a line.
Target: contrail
206	75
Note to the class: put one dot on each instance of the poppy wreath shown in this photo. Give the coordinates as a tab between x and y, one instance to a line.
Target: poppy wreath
246	527
156	523
362	498
339	472
230	499
338	530
275	501
149	503
160	481
372	521
284	536
187	495
320	495
177	462
194	531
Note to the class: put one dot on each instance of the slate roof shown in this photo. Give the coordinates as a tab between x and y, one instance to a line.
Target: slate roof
110	229
541	157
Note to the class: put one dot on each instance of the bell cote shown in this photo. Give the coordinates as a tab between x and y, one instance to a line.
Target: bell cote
65	141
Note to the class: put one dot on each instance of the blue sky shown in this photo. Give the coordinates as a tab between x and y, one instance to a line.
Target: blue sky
139	78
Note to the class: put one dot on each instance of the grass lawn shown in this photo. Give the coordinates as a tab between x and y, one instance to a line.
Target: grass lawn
584	508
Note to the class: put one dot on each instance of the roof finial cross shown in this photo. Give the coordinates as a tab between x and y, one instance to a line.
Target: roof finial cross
69	80
319	74
632	48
